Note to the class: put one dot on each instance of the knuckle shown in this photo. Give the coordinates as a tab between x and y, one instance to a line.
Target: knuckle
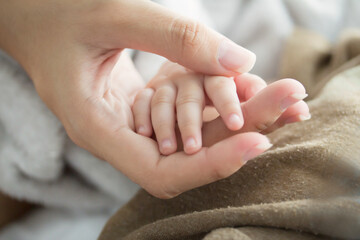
164	95
261	126
188	126
141	101
144	94
140	118
216	171
163	127
159	187
190	34
189	98
221	84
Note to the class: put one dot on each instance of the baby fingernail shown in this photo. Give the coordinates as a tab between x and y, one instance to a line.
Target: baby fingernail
235	58
190	143
235	122
296	118
290	100
256	150
299	96
304	118
141	130
166	144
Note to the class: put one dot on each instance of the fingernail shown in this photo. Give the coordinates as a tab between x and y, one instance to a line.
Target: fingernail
291	99
235	122
166	144
296	118
141	130
235	58
304	118
256	150
190	143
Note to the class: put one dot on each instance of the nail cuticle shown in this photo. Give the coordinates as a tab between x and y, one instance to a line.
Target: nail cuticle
254	151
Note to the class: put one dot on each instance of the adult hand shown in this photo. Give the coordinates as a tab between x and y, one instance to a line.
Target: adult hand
71	51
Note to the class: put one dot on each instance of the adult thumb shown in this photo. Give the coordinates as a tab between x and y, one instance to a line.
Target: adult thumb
147	26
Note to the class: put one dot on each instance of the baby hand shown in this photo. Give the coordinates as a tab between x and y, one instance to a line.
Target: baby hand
178	94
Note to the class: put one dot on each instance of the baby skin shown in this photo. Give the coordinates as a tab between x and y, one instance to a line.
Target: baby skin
172	107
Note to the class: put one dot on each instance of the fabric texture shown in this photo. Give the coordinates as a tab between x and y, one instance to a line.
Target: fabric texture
305	187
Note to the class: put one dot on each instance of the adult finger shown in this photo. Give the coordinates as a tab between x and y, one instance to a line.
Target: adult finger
168	176
147	26
295	113
261	111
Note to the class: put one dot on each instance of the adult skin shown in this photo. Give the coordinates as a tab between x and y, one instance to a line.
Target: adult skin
72	50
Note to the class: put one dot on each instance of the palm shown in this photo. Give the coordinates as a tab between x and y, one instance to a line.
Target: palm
110	135
122	82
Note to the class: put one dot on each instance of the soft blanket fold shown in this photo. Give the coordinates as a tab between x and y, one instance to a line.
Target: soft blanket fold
305	187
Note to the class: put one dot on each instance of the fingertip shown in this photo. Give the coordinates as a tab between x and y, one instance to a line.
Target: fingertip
249	140
299	108
222	92
291	99
296	113
256	150
144	131
235	121
234	57
293	84
191	145
167	146
251	145
297	118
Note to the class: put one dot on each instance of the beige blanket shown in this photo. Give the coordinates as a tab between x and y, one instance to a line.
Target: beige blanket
306	187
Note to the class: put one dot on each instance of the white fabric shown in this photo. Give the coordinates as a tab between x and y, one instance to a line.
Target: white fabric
38	163
55	224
